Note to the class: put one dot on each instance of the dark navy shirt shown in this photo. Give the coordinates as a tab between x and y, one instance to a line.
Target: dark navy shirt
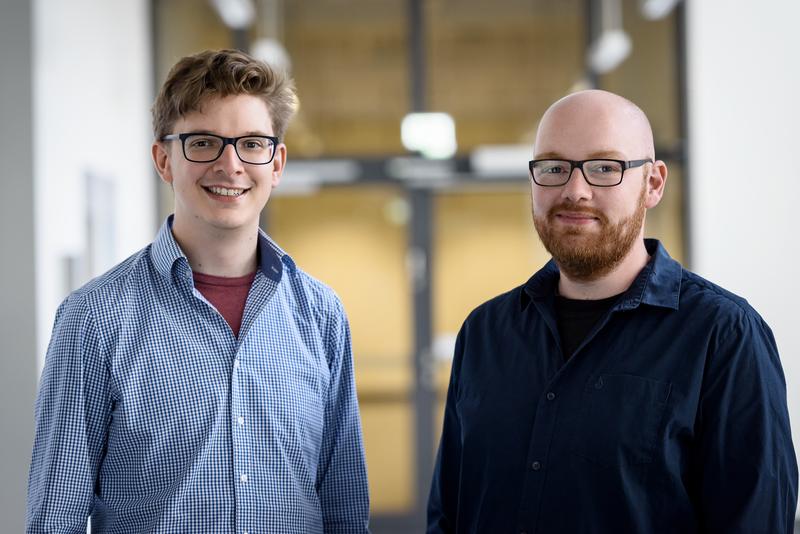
669	417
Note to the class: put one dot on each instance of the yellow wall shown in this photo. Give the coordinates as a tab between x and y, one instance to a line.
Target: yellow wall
355	240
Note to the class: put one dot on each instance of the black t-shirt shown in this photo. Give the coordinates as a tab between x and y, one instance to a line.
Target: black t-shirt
576	318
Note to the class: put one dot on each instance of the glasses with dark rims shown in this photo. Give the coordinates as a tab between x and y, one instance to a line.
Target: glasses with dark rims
596	172
200	147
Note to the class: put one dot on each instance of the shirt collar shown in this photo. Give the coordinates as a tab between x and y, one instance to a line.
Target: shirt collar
168	256
658	284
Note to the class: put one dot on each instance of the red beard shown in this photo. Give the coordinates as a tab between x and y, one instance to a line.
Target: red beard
585	255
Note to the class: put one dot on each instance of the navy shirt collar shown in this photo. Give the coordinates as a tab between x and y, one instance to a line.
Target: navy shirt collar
167	255
658	284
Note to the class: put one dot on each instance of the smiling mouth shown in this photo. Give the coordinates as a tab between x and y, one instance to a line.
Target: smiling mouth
225	191
577	216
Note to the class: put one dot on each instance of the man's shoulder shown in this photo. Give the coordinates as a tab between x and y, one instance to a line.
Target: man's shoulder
712	304
702	293
298	284
320	296
503	305
118	274
125	278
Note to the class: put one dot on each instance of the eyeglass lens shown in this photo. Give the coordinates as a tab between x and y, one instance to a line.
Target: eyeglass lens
600	172
203	148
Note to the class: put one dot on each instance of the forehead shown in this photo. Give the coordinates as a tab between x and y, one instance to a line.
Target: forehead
581	129
230	115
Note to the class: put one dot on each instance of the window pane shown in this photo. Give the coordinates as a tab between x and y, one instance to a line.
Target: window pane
355	240
349	59
496	70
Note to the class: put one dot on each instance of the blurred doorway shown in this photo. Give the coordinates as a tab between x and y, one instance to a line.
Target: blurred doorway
409	264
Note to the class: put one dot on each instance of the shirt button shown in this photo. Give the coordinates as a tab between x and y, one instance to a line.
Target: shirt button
243	478
240	420
236	364
599	383
536	466
551	395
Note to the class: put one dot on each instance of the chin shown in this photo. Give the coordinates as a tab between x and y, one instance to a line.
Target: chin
577	234
233	223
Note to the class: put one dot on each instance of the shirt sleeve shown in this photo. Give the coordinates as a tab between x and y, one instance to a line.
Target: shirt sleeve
342	472
443	498
746	458
72	413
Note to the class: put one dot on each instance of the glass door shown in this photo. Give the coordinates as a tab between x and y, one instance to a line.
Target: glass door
355	239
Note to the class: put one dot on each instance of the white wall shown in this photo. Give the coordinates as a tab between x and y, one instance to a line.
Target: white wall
744	89
17	284
93	89
75	91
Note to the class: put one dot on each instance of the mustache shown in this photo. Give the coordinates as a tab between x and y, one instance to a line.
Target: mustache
575	208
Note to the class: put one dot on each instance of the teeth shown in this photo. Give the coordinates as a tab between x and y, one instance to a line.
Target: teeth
225	191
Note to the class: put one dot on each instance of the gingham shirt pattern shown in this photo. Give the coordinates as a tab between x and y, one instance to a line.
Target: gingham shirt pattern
153	417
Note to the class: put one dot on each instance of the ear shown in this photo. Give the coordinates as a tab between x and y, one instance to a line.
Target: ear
161	161
278	164
656	181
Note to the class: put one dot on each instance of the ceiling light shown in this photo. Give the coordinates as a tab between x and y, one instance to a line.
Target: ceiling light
656	9
609	51
236	14
613	45
431	134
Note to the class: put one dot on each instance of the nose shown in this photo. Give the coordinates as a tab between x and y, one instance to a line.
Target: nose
577	188
228	162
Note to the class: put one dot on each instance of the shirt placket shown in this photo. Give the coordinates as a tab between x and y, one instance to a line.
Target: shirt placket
544	427
244	469
537	462
242	465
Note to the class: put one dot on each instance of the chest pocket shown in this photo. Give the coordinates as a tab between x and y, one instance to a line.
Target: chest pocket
621	420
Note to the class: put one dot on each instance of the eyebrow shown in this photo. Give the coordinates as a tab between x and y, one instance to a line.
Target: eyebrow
245	134
602	154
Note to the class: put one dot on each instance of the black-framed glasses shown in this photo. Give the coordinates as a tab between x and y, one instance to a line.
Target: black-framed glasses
201	147
596	172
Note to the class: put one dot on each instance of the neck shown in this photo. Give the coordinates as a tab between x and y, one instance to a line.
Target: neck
228	253
618	280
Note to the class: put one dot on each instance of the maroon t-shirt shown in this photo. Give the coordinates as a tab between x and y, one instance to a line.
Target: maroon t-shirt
228	295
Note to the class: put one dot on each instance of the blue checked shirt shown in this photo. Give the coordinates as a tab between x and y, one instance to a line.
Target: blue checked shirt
153	417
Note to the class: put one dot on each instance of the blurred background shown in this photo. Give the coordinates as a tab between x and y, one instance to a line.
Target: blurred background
407	187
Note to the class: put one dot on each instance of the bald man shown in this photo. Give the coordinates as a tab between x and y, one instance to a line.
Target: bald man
614	391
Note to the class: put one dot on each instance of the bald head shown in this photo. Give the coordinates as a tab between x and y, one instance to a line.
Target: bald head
591	228
594	123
